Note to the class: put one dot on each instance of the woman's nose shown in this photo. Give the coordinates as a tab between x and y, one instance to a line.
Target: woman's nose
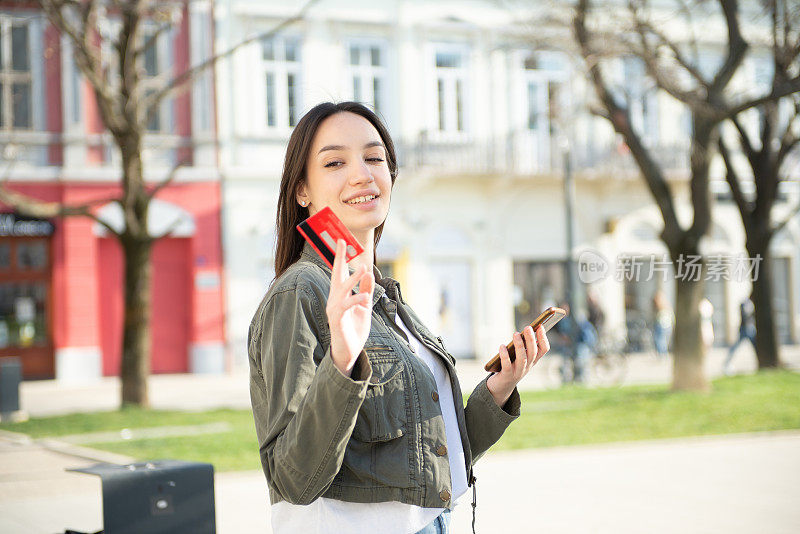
361	173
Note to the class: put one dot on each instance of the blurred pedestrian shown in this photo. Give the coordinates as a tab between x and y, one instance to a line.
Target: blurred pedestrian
747	331
596	315
706	310
579	339
663	319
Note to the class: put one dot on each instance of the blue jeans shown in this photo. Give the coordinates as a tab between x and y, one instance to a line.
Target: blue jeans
440	525
661	338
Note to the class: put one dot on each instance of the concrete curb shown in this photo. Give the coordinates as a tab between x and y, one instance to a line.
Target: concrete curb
67	449
84	453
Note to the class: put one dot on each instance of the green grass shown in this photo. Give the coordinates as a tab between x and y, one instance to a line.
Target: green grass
569	416
233	450
766	401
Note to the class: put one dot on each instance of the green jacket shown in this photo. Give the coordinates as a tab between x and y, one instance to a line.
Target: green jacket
375	436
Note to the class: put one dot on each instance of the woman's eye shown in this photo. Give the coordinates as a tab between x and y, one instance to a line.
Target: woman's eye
375	160
333	164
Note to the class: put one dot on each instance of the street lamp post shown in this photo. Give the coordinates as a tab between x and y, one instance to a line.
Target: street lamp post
569	203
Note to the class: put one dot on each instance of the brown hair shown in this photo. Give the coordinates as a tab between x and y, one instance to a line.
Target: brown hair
290	213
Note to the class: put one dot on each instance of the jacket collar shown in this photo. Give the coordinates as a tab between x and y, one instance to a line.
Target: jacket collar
309	254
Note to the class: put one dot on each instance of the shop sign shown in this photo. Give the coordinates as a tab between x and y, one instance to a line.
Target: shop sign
12	225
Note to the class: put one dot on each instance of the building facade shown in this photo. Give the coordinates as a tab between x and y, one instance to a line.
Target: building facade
483	122
61	281
486	125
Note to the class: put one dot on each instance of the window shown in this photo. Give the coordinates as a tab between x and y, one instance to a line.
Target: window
281	61
641	99
533	105
25	264
367	73
543	74
156	61
451	83
15	75
75	101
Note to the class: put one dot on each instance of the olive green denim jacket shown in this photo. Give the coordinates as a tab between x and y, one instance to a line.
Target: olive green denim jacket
375	436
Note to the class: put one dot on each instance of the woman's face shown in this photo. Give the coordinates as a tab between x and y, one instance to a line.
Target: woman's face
347	162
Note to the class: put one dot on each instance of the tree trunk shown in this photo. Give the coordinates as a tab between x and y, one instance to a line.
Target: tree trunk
137	248
688	371
767	347
136	330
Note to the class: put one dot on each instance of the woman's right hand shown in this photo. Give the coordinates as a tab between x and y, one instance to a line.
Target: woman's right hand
349	315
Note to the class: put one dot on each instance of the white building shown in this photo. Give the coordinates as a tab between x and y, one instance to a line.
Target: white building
480	120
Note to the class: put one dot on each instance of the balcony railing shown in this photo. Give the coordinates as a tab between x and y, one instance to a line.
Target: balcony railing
672	159
524	154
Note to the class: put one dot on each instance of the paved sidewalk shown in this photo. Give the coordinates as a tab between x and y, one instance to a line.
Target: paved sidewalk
202	392
733	484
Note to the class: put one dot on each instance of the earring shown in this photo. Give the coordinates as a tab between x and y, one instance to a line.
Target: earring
303	203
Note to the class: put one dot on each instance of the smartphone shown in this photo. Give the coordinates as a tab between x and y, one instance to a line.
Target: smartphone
547	319
323	229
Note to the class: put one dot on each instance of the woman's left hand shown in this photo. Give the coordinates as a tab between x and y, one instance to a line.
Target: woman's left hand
502	384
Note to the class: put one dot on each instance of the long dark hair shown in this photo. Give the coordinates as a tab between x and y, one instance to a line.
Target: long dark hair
290	213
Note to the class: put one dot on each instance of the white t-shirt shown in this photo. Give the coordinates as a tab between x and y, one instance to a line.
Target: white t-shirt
332	516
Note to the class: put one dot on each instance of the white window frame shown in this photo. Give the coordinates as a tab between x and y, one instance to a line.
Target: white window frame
164	67
449	76
203	105
164	58
642	102
281	69
33	76
72	87
540	79
367	73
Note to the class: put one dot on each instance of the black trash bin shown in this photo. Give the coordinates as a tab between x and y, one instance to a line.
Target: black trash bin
162	496
10	377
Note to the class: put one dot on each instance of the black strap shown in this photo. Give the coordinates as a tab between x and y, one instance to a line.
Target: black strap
474	498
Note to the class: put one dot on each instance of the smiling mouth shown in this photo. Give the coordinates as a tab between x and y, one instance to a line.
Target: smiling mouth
361	200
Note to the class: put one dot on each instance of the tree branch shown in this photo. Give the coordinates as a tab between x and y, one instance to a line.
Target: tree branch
789	139
737	47
166	181
152	39
643	28
665	80
87	55
781	225
620	120
32	207
171	228
779	91
732	177
744	138
151	102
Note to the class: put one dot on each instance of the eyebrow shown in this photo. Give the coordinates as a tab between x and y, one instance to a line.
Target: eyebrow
342	147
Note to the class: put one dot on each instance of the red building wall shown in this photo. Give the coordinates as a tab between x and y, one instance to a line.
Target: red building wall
86	272
88	275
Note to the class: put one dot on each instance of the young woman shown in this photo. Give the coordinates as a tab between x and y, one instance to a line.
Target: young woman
357	405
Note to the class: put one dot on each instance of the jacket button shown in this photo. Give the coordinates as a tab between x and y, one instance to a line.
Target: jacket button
441	450
444	495
435	396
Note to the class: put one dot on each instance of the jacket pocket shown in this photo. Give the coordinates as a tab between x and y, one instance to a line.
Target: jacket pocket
379	453
383	413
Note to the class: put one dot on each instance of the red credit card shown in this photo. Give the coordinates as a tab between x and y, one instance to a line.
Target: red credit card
323	229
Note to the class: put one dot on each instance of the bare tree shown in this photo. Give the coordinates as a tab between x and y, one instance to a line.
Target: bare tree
767	154
674	66
112	62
